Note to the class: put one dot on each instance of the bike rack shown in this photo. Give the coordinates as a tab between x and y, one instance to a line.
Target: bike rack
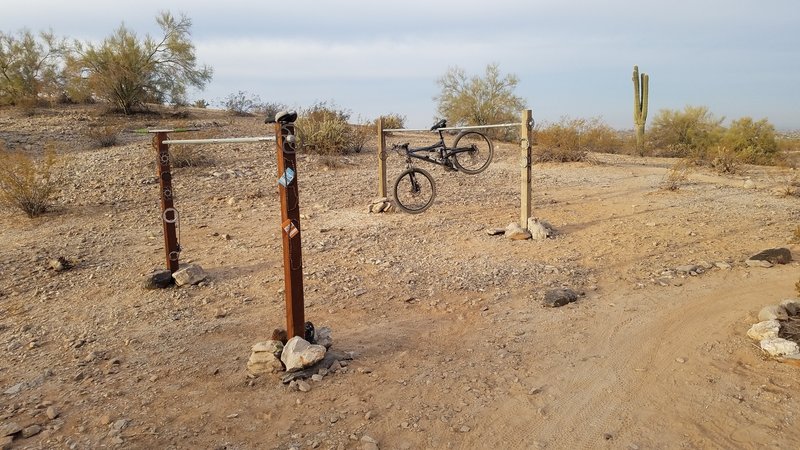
290	210
526	133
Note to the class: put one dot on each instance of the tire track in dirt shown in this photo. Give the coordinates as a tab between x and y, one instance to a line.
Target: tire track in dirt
620	399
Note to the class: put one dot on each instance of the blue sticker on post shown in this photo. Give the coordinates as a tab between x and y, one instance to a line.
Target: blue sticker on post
287	177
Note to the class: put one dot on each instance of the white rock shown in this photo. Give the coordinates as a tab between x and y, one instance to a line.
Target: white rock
539	229
773	312
767	329
298	354
261	363
758	263
515	232
191	274
271	347
749	184
780	347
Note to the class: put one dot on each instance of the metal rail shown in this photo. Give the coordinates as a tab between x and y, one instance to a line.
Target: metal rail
471	127
221	140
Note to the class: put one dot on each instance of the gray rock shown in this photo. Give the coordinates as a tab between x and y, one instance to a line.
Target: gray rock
780	347
749	184
15	389
792	306
495	231
773	312
722	265
303	386
767	329
758	263
52	412
689	268
559	297
774	256
9	429
31	431
159	279
299	354
324	337
191	274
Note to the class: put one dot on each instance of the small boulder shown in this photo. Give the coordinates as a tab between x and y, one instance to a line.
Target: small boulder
767	329
758	263
191	274
555	298
299	354
774	256
773	312
324	337
265	358
780	347
159	279
515	232
495	231
60	264
539	229
792	306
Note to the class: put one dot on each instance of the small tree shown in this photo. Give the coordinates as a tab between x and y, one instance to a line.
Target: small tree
26	183
128	72
29	66
478	100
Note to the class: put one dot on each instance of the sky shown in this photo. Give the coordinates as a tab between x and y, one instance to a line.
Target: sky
573	58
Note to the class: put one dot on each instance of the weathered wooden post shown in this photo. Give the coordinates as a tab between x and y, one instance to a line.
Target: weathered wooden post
290	229
169	215
526	135
381	160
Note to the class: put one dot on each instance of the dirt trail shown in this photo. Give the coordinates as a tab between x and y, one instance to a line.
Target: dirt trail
452	347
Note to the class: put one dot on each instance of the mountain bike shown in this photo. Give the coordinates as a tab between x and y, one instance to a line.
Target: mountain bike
415	190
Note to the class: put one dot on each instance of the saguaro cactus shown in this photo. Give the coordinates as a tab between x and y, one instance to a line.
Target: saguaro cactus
640	89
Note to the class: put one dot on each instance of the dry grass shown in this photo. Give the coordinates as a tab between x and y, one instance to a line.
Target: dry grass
104	136
26	183
676	176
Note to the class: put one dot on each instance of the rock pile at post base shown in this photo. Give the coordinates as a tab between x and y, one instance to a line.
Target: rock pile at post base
767	331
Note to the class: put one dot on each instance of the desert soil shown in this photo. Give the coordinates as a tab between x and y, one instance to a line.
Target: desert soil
451	345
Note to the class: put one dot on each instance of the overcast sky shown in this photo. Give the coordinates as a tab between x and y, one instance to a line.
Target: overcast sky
573	57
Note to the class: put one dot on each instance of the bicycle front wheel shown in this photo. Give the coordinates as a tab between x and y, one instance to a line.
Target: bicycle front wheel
474	152
414	190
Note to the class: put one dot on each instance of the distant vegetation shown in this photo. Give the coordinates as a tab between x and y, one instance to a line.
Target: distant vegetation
123	69
323	129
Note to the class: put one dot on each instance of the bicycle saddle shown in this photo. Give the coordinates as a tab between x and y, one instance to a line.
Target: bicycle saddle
440	124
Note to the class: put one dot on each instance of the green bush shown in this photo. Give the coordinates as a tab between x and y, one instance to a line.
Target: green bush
753	141
25	183
690	132
30	68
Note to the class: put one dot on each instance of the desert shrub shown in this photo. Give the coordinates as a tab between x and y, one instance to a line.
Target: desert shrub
201	103
722	159
30	67
676	175
391	121
188	156
753	141
26	183
480	100
690	132
359	136
323	129
129	72
241	103
597	136
104	136
270	109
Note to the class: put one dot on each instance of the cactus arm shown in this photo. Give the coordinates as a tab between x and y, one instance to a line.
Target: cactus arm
645	90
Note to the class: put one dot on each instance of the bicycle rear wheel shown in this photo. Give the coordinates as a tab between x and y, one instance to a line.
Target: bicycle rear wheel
477	158
414	190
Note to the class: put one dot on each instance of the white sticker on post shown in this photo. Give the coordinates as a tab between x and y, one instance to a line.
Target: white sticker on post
287	177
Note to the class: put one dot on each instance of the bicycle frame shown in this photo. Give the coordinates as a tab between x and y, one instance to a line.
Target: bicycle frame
444	153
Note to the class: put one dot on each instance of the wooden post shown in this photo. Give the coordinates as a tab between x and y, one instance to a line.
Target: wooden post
290	229
169	215
381	160
525	163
